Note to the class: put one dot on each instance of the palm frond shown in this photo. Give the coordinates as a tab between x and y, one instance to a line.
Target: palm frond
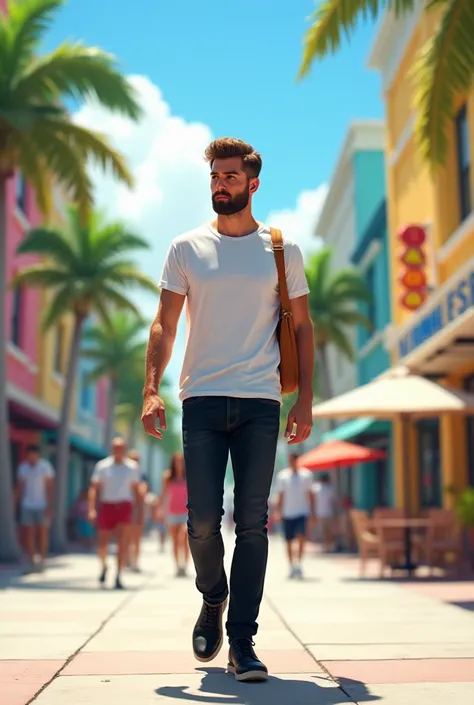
317	272
82	73
35	172
340	340
90	145
40	275
28	21
443	72
353	318
115	239
115	298
336	18
132	277
47	242
58	307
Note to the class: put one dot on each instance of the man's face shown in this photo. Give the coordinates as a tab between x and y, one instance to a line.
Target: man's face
230	186
32	457
118	450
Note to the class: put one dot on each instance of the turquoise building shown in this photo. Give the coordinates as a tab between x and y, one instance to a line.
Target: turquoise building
372	484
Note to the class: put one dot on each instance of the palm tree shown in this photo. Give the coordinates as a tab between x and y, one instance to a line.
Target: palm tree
333	301
117	349
38	137
86	267
443	70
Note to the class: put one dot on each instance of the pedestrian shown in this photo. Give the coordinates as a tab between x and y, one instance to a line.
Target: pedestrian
175	498
138	518
325	511
115	483
295	505
84	529
159	518
230	390
34	494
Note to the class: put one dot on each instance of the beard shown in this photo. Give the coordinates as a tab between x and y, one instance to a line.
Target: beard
233	204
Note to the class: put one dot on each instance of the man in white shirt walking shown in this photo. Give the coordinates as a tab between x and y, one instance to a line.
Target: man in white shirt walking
295	505
230	390
34	493
115	482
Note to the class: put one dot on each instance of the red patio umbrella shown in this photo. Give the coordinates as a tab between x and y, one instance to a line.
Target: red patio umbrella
335	454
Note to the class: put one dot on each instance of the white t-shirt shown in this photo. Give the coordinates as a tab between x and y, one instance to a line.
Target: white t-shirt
324	495
231	284
116	479
34	489
295	487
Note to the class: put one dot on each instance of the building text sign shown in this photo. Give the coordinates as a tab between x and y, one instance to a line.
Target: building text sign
454	302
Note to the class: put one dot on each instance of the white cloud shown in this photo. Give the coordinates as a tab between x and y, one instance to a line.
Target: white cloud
299	223
171	194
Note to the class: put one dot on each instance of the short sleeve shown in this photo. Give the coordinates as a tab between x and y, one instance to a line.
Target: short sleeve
295	274
48	469
98	474
279	483
173	276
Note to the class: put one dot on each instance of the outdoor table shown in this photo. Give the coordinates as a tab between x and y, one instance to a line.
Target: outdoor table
407	524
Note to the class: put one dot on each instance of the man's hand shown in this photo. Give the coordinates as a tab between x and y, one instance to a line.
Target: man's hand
153	408
92	516
300	415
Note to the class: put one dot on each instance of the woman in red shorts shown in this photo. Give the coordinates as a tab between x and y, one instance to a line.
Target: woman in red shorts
116	481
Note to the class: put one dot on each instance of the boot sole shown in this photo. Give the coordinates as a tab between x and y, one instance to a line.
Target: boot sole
248	676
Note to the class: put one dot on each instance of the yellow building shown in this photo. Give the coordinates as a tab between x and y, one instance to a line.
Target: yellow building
436	340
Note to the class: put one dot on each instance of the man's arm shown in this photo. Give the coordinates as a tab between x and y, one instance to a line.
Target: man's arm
301	413
49	495
160	346
92	498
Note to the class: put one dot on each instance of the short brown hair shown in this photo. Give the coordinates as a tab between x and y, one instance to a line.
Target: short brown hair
226	147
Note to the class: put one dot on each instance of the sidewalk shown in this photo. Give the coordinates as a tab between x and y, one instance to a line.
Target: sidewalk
329	639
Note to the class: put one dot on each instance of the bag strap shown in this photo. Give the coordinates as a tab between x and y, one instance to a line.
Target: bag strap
279	253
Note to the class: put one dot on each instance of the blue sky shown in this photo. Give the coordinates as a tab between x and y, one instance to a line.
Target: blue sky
209	69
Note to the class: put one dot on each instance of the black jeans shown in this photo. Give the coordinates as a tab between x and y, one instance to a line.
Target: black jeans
248	428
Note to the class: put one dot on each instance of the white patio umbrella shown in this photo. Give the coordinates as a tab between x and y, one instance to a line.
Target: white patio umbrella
398	395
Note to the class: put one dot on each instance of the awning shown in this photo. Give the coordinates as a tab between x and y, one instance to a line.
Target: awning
365	425
81	445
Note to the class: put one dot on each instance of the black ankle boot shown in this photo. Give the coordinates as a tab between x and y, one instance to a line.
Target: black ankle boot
244	662
208	633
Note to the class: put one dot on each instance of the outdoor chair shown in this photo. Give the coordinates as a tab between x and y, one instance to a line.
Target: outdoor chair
443	545
367	541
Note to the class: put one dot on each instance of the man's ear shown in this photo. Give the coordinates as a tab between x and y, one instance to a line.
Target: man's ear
254	184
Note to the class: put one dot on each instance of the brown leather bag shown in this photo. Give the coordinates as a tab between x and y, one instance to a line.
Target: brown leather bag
289	373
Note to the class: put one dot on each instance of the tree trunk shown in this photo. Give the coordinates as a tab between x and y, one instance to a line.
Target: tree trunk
321	356
58	533
111	402
9	548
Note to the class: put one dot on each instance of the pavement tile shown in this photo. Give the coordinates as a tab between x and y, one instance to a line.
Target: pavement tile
408	671
21	680
380	633
376	652
39	647
146	662
212	686
413	693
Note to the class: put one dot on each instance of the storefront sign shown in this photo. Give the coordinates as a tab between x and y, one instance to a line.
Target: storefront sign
454	302
413	277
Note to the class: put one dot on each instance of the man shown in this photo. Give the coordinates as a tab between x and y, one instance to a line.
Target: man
230	390
34	493
115	481
138	518
325	508
295	505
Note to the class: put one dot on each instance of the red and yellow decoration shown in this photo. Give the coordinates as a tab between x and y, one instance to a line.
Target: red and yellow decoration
413	278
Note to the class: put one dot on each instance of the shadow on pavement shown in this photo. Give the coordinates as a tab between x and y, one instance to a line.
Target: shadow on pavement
217	687
43	584
463	604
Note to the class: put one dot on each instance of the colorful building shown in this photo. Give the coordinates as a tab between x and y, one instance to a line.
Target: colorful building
434	336
353	223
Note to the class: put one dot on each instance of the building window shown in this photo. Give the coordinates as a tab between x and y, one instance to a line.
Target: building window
20	185
15	332
86	392
464	162
469	387
58	350
371	306
429	464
